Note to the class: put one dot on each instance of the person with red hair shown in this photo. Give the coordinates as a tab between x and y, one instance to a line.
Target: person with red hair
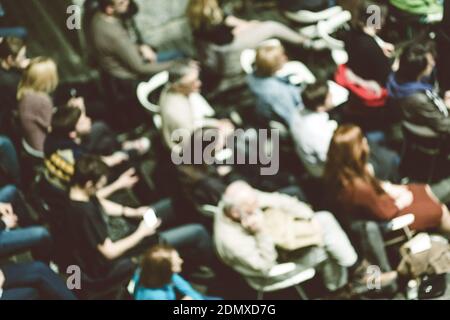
359	194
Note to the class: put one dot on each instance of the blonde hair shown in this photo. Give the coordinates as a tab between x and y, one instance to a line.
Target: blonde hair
269	59
40	76
204	13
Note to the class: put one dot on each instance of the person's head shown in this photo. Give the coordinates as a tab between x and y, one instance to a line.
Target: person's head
158	266
70	122
204	13
184	78
269	59
367	14
347	158
90	174
40	76
416	61
114	7
240	202
317	97
13	53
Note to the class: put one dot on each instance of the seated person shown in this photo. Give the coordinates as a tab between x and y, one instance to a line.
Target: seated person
211	24
246	239
360	195
423	112
35	105
418	8
183	108
115	50
159	277
312	130
87	215
123	61
13	60
32	281
276	95
15	239
65	144
362	45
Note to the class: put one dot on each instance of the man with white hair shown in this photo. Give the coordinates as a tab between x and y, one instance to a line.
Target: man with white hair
247	237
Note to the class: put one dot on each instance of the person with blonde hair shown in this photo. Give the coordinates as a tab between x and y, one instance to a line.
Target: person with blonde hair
276	96
35	105
212	26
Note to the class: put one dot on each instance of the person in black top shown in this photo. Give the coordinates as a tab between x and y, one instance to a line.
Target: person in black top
368	55
13	60
86	222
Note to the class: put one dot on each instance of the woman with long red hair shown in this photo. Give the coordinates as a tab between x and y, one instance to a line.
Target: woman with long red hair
359	194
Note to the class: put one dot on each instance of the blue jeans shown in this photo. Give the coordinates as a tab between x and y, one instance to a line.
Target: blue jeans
15	241
8	159
18	32
31	277
166	56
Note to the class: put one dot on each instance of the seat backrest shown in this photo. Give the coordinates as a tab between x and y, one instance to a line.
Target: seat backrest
145	89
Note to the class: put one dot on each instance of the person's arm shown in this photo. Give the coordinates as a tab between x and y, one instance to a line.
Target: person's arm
380	206
260	258
370	85
284	202
117	210
127	180
127	52
430	114
185	287
112	250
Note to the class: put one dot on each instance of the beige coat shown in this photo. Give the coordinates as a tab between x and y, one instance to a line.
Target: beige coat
254	255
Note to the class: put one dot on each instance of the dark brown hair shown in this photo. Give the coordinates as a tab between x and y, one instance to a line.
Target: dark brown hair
315	95
10	46
156	267
89	168
65	120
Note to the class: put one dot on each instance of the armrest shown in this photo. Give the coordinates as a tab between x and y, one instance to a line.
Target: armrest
281	269
400	222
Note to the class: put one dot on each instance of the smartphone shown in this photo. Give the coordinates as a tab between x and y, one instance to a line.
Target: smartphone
150	218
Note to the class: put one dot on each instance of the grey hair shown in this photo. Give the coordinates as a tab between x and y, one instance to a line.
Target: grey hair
235	194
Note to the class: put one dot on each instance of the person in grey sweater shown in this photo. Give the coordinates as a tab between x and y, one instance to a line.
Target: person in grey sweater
116	52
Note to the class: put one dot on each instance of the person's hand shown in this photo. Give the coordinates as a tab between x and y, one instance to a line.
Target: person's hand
10	220
253	223
225	126
388	49
77	102
404	200
447	98
2	279
145	231
6	208
116	158
127	179
148	53
373	86
187	298
139	212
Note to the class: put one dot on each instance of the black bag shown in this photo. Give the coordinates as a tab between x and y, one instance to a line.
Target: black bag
432	286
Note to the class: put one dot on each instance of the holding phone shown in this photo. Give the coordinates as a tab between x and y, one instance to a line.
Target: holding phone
150	218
